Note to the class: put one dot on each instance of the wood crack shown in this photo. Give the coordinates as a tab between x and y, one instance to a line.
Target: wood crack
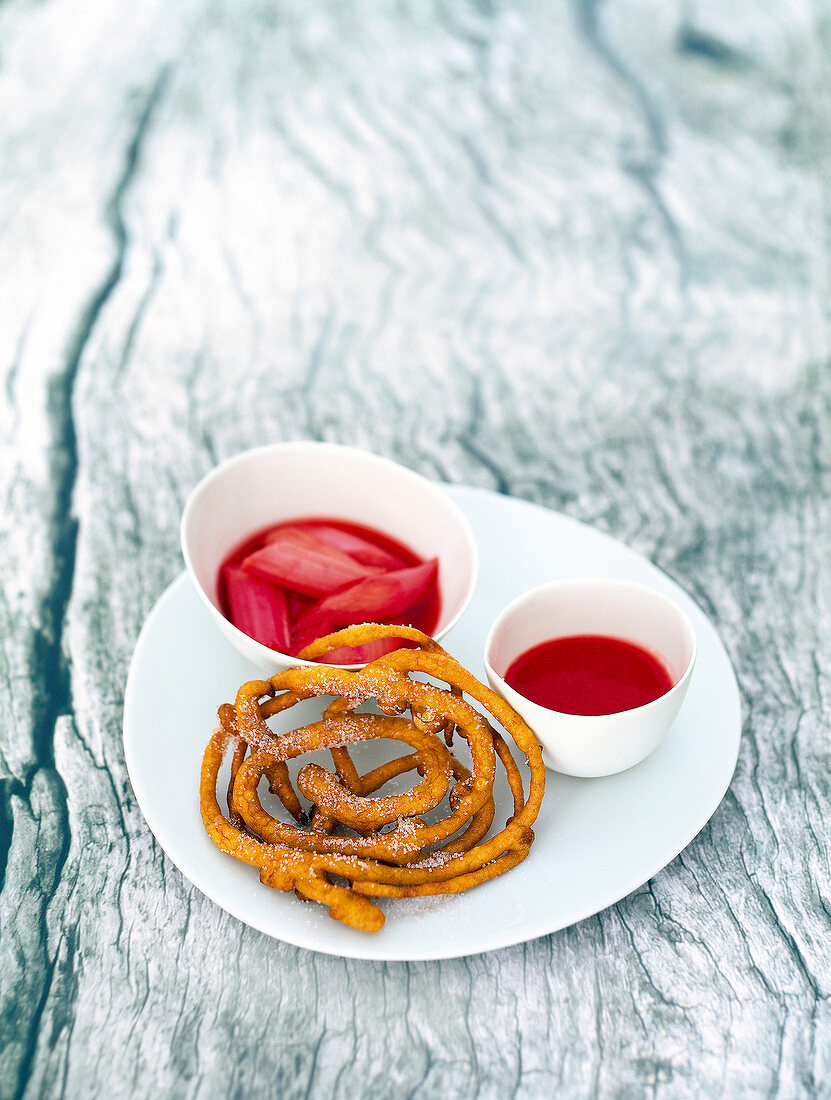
49	663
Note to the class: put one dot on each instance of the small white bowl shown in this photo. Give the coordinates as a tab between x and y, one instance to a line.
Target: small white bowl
284	481
603	744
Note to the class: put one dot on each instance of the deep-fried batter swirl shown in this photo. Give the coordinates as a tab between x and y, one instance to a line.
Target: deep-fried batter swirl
379	844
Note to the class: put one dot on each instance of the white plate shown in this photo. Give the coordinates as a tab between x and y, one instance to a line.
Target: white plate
596	839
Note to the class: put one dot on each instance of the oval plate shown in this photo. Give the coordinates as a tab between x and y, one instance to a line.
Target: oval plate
597	840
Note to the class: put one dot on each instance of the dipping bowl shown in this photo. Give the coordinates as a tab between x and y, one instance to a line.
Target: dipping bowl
595	745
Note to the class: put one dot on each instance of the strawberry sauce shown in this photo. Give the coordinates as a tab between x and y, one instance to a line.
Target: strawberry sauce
588	674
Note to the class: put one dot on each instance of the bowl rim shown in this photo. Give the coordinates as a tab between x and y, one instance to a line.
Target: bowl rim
223	468
547	587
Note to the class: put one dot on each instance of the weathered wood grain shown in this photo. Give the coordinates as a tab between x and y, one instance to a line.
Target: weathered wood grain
578	253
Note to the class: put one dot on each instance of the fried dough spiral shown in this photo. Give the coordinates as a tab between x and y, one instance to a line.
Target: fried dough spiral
380	845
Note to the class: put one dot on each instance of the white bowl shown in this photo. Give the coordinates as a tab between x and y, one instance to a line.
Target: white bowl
594	745
284	481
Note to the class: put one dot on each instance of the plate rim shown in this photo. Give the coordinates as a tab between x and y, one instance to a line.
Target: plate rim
201	881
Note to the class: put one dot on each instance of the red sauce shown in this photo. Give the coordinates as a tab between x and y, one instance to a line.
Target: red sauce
588	674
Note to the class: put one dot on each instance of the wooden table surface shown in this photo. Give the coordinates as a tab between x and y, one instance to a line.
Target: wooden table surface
577	253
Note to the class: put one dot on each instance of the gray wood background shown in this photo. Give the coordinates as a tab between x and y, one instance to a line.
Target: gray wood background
576	252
